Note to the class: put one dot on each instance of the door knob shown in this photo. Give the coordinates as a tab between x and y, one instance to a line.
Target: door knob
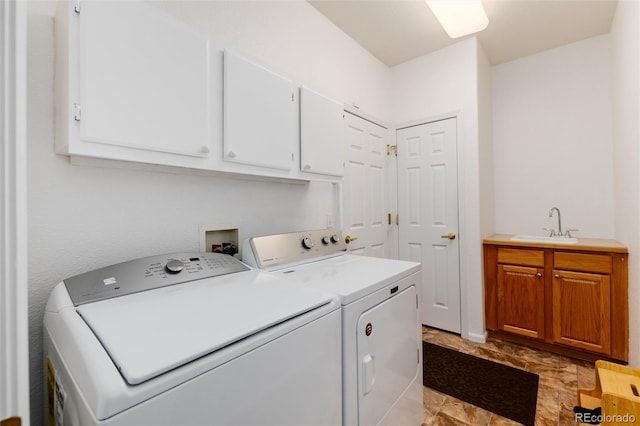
450	236
349	238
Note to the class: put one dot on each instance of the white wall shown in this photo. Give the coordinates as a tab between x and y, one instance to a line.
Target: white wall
625	89
82	218
552	140
485	145
293	37
444	83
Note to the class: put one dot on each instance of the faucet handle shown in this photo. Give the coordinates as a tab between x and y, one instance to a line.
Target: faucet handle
552	232
569	231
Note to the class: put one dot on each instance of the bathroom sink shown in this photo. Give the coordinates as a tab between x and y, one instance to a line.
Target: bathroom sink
538	239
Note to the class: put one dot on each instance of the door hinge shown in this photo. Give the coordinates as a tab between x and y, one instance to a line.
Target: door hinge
389	218
393	148
76	7
76	112
397	220
417	306
418	355
293	97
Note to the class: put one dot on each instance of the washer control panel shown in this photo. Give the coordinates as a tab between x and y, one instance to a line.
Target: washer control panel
294	247
148	273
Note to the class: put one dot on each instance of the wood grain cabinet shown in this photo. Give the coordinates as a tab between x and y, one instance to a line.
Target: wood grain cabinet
567	299
521	292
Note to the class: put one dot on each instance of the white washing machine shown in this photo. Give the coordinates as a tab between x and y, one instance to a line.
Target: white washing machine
381	328
191	338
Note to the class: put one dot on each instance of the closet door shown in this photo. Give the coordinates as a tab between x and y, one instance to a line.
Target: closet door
144	80
259	115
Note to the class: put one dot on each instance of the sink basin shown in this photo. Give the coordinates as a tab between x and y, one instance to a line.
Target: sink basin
538	239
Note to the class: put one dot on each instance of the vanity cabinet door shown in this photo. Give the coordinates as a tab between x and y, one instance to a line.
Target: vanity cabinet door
582	310
521	300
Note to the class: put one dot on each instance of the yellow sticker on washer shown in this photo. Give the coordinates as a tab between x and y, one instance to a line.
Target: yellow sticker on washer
51	390
55	397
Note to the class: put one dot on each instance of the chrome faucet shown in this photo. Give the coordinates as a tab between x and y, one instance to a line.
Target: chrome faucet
560	234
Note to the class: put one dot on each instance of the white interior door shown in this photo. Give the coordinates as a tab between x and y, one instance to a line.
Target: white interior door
428	209
366	188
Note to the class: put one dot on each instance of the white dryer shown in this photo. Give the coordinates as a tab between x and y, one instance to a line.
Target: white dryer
381	327
191	338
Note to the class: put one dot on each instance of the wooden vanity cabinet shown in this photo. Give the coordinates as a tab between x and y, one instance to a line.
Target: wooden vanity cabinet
521	292
571	300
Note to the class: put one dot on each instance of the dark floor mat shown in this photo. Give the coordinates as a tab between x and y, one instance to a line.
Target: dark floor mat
504	390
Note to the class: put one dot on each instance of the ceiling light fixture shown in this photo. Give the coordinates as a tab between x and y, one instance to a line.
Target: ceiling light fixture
459	17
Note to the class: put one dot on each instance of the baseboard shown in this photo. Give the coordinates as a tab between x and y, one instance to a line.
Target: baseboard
478	338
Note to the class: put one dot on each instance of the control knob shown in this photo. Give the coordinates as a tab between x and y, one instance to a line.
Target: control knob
325	240
335	239
174	266
307	243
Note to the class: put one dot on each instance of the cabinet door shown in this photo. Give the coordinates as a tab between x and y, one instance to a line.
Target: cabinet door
582	310
321	134
144	80
259	115
521	300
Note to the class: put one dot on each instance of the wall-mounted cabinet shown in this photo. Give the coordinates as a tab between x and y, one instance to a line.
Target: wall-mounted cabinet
568	299
321	134
154	90
259	114
124	90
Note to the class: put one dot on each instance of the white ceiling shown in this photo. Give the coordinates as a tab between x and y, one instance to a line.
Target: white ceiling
396	31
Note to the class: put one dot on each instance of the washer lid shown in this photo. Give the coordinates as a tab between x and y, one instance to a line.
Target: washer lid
147	334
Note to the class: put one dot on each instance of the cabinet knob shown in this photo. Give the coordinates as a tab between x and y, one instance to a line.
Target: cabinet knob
539	275
205	149
556	276
231	154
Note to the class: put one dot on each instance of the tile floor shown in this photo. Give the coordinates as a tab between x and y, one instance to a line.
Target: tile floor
559	379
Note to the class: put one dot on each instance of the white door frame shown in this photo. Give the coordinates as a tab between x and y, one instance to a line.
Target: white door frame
463	241
14	348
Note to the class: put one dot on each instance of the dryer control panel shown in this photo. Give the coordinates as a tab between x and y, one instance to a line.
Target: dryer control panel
148	273
294	247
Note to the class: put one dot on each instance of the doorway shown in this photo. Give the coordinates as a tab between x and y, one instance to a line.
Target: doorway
402	202
366	188
428	209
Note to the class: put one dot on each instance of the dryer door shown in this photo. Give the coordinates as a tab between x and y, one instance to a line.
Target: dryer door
388	354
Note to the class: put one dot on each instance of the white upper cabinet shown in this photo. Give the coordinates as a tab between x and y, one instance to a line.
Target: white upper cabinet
259	115
134	80
321	134
135	84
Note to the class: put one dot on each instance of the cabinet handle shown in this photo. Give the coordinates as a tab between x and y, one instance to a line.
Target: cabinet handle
556	276
539	275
